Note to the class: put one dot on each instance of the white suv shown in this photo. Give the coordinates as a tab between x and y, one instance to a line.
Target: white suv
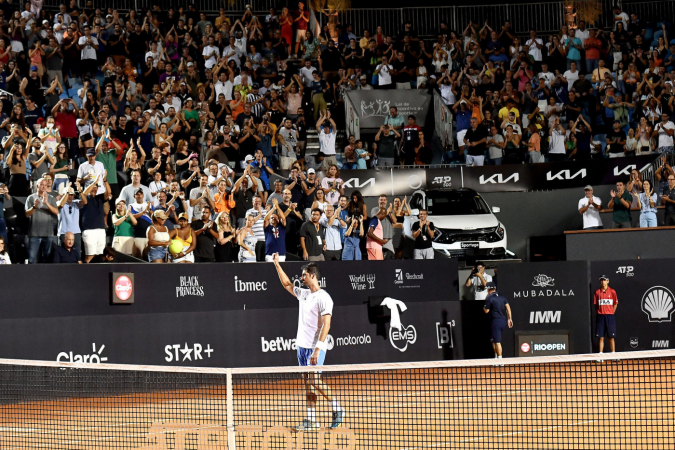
466	226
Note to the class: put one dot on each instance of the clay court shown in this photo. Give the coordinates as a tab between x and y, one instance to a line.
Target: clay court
628	404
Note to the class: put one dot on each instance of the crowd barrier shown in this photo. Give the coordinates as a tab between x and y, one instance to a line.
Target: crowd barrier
234	315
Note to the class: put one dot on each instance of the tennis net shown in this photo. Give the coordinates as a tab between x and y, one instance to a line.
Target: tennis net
560	402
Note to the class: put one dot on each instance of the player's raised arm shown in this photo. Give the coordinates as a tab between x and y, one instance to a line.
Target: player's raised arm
288	285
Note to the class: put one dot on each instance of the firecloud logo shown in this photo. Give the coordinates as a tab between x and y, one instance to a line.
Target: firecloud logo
249	286
96	357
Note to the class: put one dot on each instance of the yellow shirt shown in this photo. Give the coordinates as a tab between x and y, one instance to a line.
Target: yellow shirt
504	113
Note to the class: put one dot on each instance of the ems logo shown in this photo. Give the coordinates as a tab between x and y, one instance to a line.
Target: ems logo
634	342
525	347
400	336
542	280
658	303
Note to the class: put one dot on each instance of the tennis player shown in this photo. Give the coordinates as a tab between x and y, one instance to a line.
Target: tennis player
500	314
316	310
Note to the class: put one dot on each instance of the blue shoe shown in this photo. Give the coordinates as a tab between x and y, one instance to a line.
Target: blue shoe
307	425
338	417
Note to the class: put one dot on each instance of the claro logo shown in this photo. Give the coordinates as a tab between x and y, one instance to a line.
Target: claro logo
96	356
123	287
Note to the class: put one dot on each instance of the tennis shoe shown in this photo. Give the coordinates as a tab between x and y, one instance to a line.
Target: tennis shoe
338	417
307	425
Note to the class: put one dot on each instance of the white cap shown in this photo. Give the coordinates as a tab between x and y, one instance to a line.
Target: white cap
248	158
311	171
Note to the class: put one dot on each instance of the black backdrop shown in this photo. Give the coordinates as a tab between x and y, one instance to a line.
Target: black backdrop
547	298
639	284
226	315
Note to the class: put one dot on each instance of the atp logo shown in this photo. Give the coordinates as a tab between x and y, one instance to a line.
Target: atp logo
400	336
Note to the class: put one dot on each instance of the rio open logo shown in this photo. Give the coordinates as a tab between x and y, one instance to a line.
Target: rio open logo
123	287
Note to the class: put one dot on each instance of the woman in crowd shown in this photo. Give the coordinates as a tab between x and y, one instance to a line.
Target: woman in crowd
158	238
61	167
351	250
124	223
401	210
4	256
132	162
18	182
357	207
333	185
226	235
185	235
646	201
247	240
634	186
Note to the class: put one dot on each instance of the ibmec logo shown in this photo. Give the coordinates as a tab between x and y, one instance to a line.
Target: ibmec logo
123	287
658	303
249	286
188	351
545	316
96	356
498	178
626	270
661	344
565	175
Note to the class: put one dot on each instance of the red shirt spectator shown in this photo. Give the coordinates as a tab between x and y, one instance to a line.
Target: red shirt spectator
605	299
301	24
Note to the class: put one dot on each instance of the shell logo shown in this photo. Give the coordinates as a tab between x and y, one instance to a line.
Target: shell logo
123	287
658	303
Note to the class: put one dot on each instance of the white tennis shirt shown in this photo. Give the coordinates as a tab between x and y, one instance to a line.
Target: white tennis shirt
312	307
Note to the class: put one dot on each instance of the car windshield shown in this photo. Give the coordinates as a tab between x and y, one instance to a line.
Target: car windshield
455	203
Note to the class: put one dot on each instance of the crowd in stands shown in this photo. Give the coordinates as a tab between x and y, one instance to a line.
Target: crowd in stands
165	130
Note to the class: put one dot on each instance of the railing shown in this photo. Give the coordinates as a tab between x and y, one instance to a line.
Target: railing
351	119
239	6
653	12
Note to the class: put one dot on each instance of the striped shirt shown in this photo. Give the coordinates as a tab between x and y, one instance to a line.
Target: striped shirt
258	109
258	227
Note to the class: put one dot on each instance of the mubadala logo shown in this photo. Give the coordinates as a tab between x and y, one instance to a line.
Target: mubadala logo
498	178
658	304
189	286
249	286
400	336
626	270
96	356
545	316
565	175
661	344
362	282
401	277
297	282
173	352
634	342
278	345
541	281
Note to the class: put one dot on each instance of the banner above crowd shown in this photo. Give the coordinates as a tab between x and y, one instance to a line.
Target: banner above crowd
372	107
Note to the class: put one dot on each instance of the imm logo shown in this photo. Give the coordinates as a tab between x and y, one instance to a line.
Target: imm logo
545	316
498	178
661	344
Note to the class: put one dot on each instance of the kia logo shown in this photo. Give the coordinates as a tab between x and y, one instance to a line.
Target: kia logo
123	287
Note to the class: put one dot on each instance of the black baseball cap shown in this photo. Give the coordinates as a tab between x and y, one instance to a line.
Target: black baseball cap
491	285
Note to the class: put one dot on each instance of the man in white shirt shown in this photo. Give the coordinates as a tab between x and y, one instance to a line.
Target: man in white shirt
288	139
571	75
534	44
224	85
92	170
546	75
314	321
589	208
620	16
582	33
153	53
87	45
171	102
556	149
306	73
478	281
327	136
664	130
383	72
211	54
231	52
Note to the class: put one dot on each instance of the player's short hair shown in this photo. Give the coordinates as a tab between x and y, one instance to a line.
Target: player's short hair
312	269
317	210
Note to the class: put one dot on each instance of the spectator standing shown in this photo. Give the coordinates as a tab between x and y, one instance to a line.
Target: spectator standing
423	232
141	210
69	218
668	200
385	215
478	281
334	224
663	131
474	140
605	325
187	237
275	233
352	238
374	241
647	204
496	144
124	223
247	240
66	253
589	207
386	150
206	235
41	210
92	170
201	196
4	195
620	204
128	192
258	227
616	141
293	221
333	185
313	238
327	137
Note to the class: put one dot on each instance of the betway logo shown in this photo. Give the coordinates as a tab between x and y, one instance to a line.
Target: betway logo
249	286
498	178
545	316
565	175
278	345
660	344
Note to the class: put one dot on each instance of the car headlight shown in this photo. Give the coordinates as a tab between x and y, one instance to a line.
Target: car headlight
499	231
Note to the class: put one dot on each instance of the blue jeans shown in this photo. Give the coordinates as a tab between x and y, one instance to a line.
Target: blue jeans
496	162
351	250
591	65
41	244
3	230
648	220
